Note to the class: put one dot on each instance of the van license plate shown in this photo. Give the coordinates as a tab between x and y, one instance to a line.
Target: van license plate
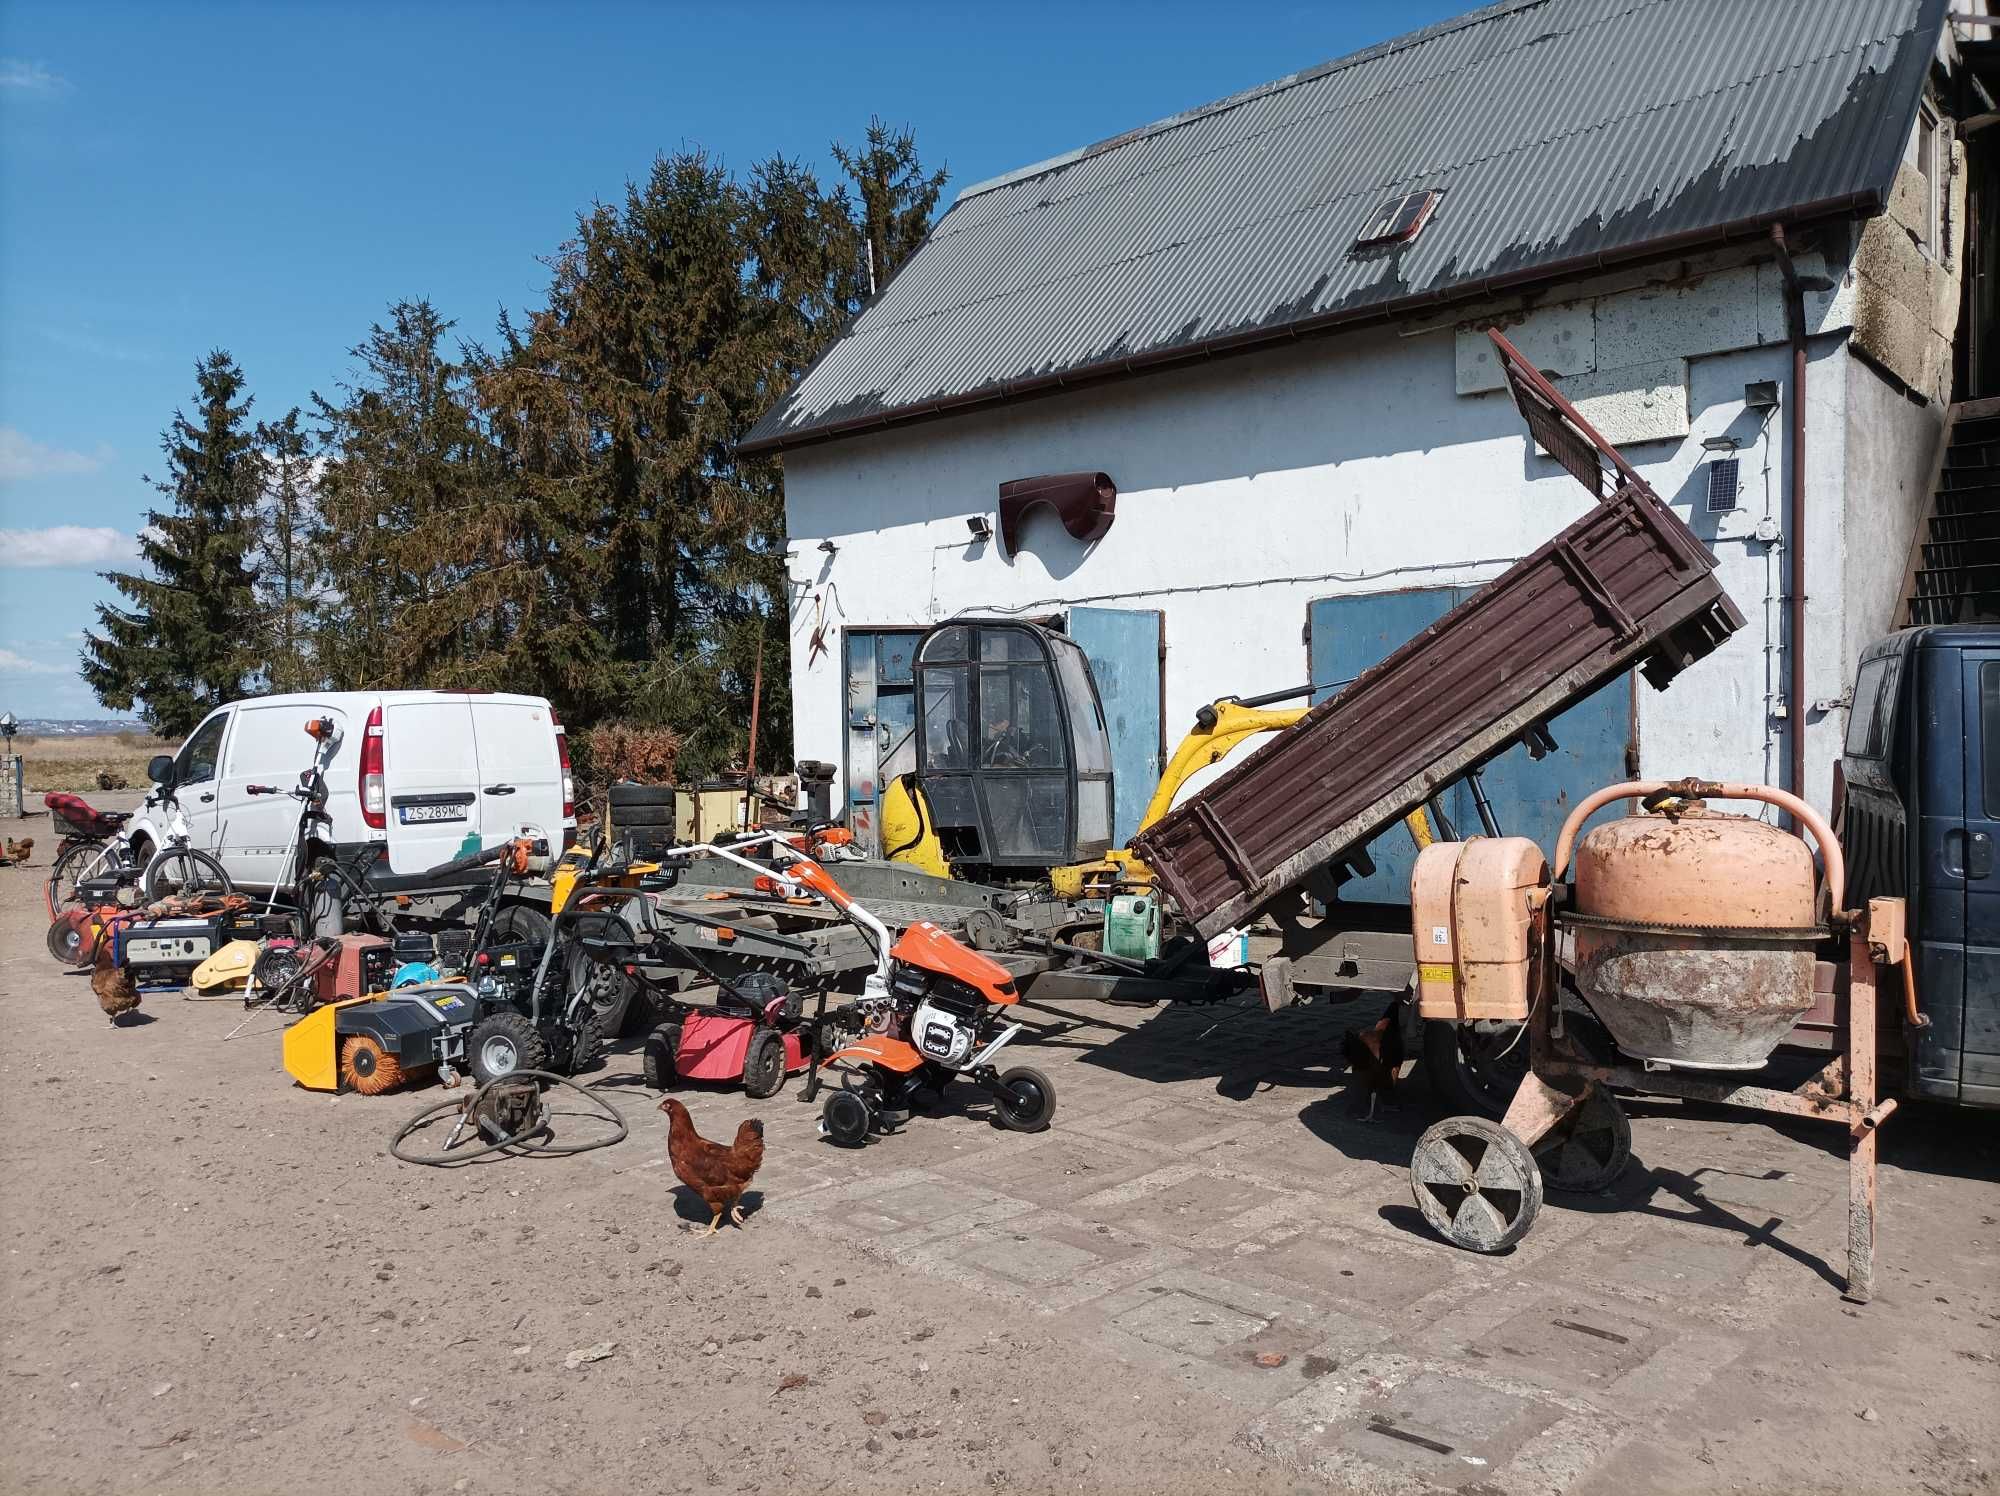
410	814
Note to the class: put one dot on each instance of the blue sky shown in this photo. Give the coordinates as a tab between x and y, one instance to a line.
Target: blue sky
268	178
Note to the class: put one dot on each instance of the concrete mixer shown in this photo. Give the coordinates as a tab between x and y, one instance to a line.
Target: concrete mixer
1686	949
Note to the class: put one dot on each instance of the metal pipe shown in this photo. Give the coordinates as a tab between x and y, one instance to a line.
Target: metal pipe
1807	817
1795	519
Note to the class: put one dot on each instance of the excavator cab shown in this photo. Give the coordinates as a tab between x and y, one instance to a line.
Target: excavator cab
1013	762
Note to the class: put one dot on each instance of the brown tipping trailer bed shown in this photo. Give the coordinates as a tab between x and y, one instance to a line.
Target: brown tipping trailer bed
1626	585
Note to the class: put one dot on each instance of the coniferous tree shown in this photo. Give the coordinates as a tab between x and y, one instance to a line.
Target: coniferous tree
288	555
424	575
184	644
897	197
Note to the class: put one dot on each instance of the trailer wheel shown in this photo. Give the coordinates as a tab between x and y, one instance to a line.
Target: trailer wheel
365	1066
1475	1068
502	1043
1588	1149
1028	1100
764	1064
662	1045
1476	1184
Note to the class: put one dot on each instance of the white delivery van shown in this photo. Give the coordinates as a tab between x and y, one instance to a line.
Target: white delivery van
413	777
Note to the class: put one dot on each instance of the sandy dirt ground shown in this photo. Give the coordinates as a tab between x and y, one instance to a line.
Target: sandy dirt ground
73	764
216	1282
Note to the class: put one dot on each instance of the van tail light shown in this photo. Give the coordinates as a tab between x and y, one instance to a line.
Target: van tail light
562	757
374	787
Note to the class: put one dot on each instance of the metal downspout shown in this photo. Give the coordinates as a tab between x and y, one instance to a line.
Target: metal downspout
1795	521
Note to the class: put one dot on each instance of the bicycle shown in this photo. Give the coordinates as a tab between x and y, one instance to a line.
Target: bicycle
177	868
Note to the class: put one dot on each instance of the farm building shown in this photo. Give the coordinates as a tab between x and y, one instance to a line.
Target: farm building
1746	240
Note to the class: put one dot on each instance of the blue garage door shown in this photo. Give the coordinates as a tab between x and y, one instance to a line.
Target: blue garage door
1529	797
1124	647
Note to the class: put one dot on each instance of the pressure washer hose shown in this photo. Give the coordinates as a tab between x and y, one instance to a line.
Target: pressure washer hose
521	1143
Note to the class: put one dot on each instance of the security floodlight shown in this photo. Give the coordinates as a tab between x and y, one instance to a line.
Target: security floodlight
980	526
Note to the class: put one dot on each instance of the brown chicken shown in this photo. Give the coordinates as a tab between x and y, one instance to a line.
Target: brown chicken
1374	1056
719	1175
117	993
18	851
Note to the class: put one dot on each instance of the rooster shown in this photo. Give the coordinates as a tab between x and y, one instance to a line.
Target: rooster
1374	1056
719	1175
117	993
17	851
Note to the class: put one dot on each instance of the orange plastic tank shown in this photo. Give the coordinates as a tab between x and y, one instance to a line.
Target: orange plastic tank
1473	907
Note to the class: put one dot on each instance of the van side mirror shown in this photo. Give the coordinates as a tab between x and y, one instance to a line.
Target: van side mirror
161	769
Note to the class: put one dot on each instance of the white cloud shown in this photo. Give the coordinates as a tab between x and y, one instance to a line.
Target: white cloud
31	77
21	456
20	664
66	545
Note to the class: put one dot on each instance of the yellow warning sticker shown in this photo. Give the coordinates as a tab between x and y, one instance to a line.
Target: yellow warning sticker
1430	971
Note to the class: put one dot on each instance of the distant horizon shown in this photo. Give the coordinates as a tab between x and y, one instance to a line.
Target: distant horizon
121	264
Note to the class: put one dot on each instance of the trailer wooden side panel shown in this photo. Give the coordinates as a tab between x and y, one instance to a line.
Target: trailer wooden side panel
1627	584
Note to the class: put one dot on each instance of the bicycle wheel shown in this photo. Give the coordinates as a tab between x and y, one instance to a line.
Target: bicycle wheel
80	861
184	870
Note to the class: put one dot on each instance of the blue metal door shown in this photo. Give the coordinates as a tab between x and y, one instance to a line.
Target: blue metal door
1124	647
1530	798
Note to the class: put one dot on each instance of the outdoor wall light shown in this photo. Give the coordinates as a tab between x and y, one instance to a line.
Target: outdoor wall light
980	526
829	547
1761	394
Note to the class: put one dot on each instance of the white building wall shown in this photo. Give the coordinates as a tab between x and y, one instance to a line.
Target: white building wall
1250	487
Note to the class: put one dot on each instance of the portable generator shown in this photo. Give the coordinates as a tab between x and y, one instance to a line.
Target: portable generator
164	952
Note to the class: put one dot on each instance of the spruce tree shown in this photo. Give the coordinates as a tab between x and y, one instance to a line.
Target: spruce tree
288	555
184	642
422	561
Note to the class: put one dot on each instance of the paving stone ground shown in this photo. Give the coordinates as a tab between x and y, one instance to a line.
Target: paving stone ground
1088	1305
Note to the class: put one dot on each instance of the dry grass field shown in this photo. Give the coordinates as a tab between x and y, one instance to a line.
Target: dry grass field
74	763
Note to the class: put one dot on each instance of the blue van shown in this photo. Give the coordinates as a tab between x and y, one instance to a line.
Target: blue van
1918	801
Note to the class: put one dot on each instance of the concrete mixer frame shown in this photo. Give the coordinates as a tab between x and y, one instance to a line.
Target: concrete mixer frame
1565	1127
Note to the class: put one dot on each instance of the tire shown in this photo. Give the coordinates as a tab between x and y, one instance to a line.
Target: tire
663	1044
183	870
519	924
368	1068
607	991
502	1043
71	866
1468	1070
586	1045
1030	1104
847	1117
764	1064
1476	1185
1588	1150
625	794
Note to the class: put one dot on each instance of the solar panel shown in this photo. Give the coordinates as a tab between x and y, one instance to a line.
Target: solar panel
1722	485
1398	220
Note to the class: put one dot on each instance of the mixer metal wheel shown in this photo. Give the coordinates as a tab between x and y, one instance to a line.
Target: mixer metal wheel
1476	1183
1589	1148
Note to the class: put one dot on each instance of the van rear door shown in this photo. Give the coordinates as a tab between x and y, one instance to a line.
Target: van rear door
520	769
1974	851
431	769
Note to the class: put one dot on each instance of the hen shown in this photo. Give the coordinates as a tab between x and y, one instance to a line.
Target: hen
117	992
17	851
1375	1055
719	1175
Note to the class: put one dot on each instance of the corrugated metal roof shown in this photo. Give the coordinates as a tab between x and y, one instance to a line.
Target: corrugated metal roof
1560	133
